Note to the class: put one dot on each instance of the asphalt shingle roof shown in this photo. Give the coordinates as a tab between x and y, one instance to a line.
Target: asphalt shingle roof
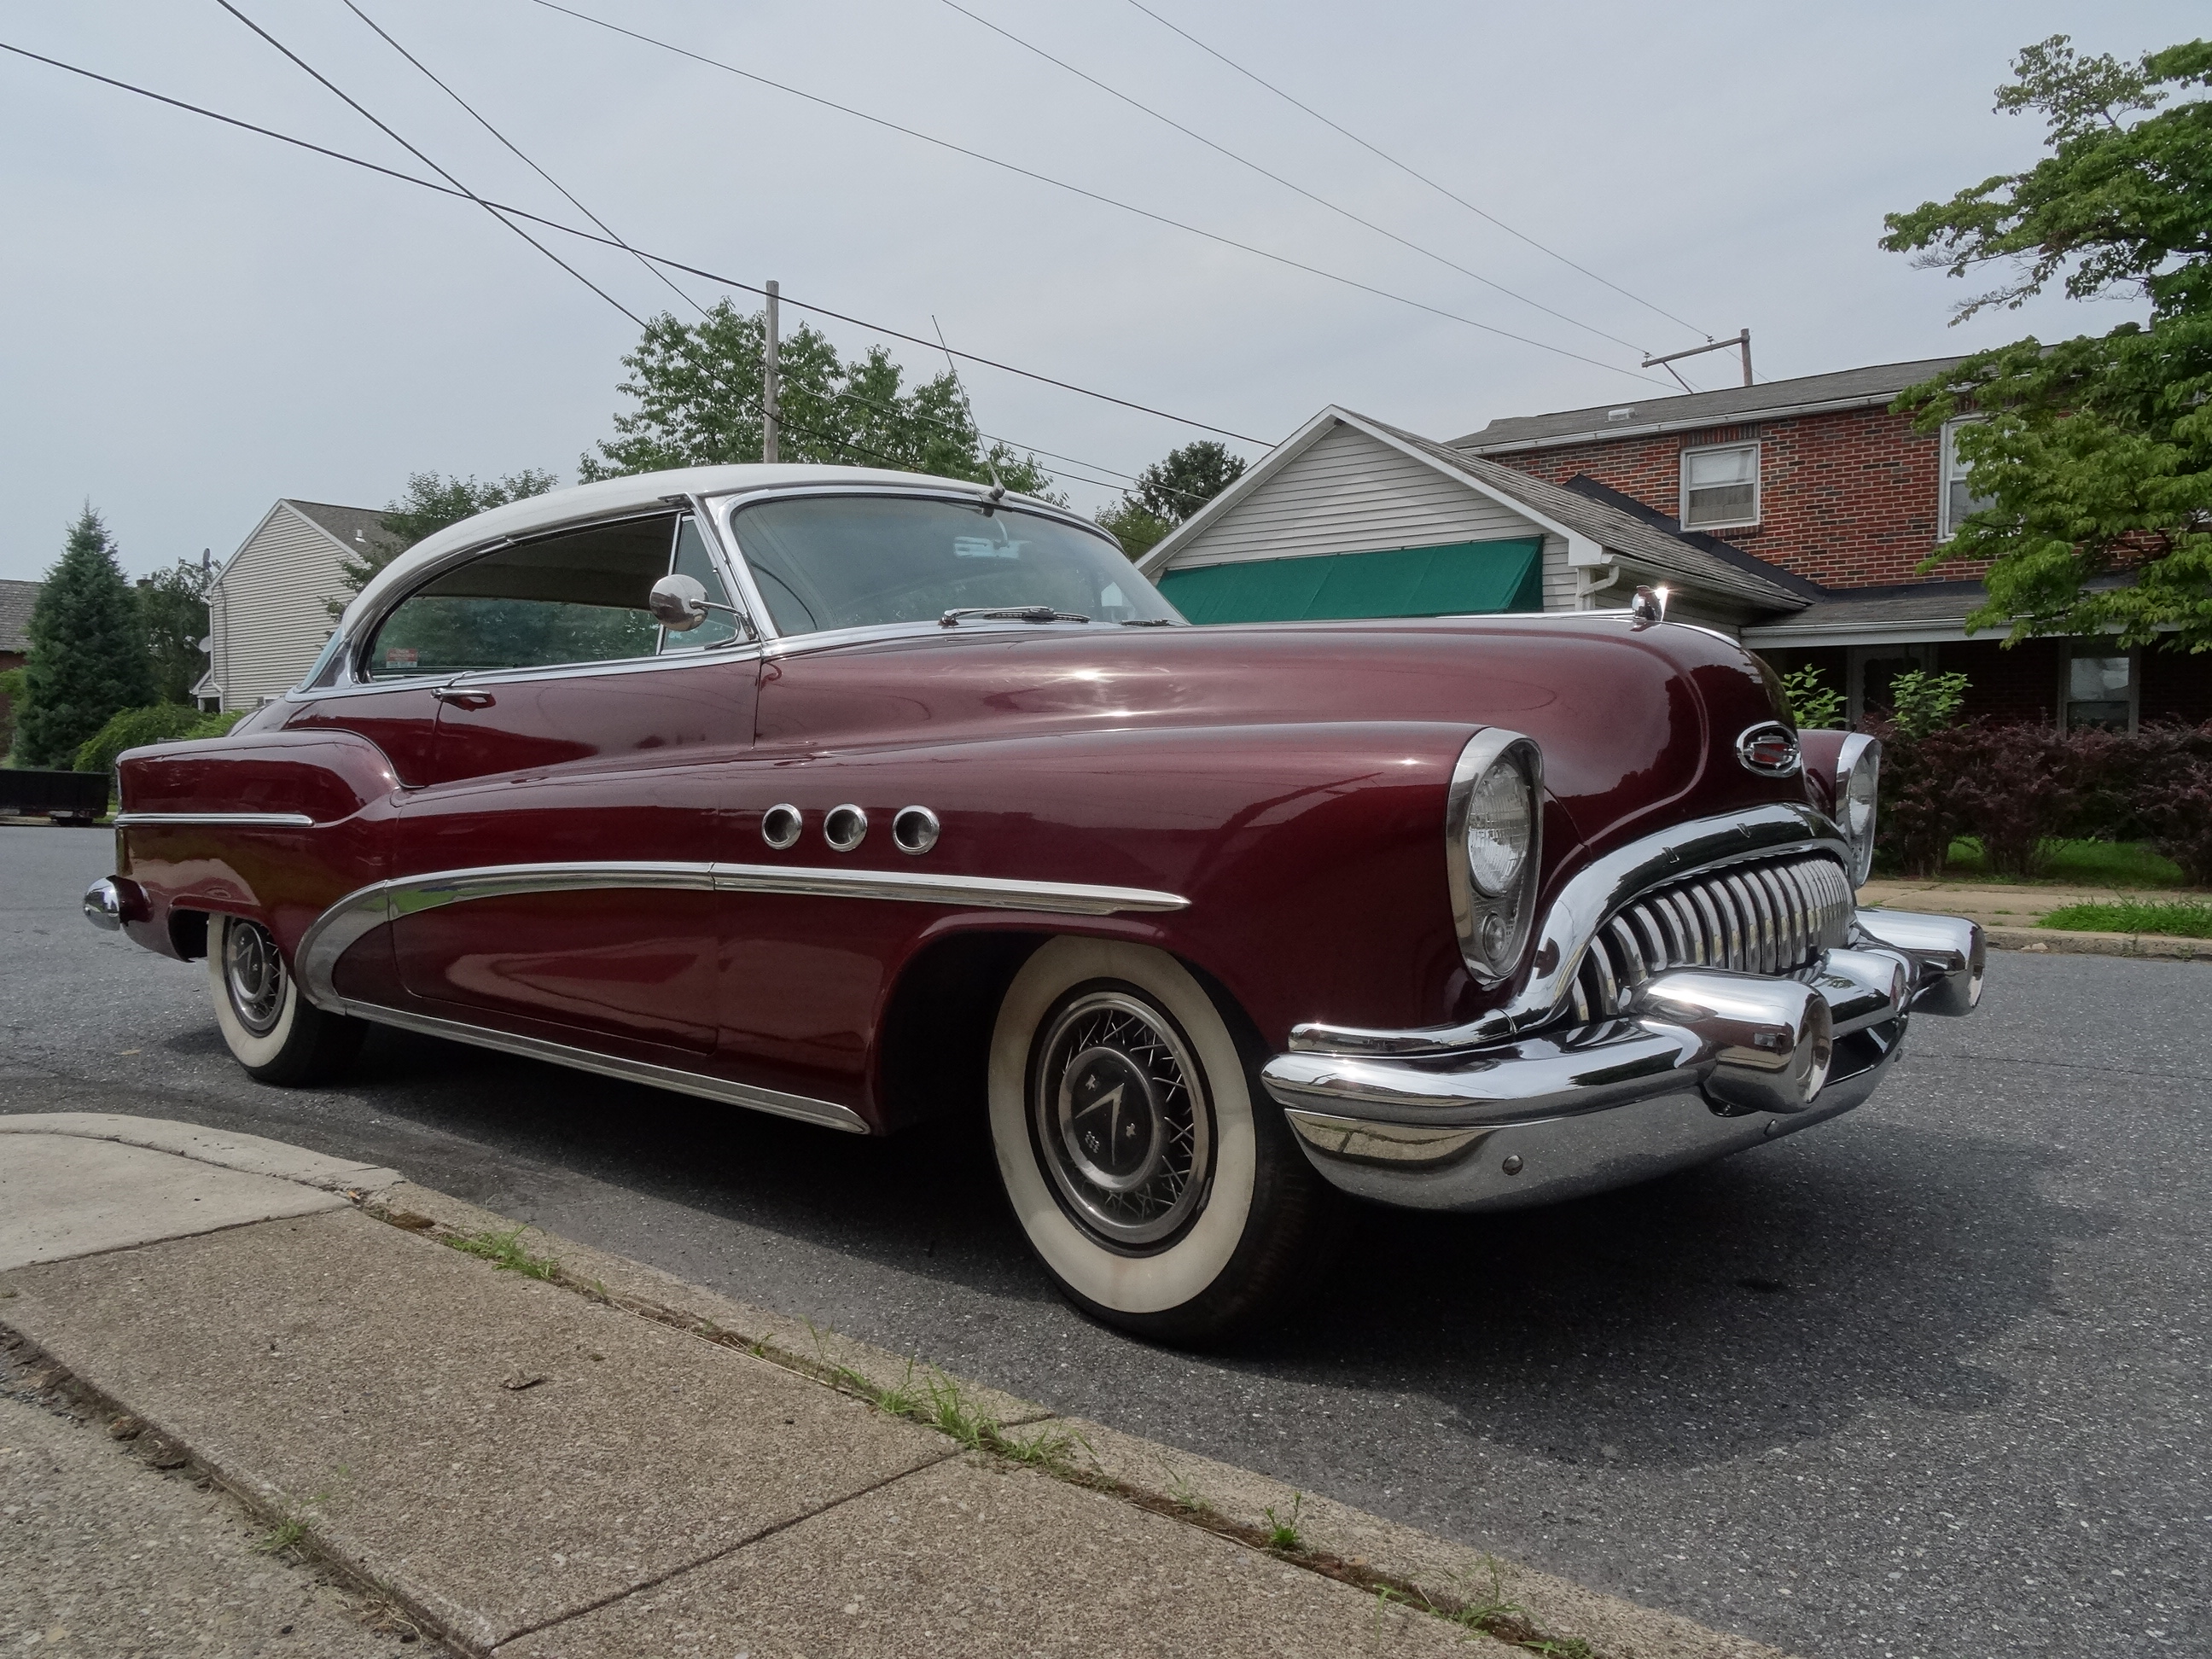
1848	388
356	526
16	599
1617	531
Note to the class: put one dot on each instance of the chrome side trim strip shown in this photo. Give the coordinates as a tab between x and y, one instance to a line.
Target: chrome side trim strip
1065	898
803	1106
362	912
230	820
1592	896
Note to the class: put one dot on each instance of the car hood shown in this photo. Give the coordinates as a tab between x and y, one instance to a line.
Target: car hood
1638	726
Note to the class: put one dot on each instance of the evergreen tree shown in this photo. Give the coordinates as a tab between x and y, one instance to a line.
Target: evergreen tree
88	657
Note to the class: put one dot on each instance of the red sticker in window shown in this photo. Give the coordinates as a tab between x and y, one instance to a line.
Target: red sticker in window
399	656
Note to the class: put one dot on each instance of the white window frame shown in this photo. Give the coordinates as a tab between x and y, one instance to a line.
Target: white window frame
1758	480
1945	466
2083	648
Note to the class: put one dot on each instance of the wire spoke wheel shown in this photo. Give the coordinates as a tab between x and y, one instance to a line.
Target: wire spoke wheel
253	976
1120	1119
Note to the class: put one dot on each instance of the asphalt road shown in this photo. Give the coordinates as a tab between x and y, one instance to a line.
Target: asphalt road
1928	1381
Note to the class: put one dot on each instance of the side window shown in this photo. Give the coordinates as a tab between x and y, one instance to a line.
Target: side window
693	560
1720	486
1958	498
578	596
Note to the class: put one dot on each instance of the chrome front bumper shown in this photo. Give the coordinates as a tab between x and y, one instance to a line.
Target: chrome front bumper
1704	1063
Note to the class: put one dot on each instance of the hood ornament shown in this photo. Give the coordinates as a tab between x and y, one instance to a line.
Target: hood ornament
1648	606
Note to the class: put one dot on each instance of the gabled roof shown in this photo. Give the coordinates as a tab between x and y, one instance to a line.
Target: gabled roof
1809	394
16	599
361	528
1591	529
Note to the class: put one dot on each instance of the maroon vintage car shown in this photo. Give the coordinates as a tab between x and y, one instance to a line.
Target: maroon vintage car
865	797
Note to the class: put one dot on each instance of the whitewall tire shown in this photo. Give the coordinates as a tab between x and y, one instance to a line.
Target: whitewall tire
271	1030
1155	1179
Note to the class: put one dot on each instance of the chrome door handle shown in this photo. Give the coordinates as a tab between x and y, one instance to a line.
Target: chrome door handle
447	694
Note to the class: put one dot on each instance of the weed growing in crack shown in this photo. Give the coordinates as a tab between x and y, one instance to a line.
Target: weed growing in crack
1185	1496
505	1252
280	1537
1283	1535
1480	1613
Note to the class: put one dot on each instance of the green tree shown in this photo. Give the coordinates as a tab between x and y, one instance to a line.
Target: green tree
1168	491
696	389
434	501
2093	455
87	656
173	612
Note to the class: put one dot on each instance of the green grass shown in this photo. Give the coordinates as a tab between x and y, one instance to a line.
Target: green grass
2074	863
1283	1535
505	1251
2176	918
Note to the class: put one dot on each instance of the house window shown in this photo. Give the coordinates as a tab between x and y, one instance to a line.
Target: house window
1959	499
1720	486
2102	688
1873	672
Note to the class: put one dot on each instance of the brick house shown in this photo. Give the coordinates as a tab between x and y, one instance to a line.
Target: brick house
16	599
1840	500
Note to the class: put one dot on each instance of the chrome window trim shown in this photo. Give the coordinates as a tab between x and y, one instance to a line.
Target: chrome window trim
1588	901
731	504
228	820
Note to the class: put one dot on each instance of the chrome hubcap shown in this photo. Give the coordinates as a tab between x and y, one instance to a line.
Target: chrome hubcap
253	974
1120	1119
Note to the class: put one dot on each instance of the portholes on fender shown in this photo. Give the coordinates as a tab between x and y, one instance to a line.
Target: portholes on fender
845	828
781	826
915	829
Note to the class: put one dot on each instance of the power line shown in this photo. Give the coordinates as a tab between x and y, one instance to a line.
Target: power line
512	148
715	277
1410	172
432	164
1091	195
1265	173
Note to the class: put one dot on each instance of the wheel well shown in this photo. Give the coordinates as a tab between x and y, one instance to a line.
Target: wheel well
933	1059
188	932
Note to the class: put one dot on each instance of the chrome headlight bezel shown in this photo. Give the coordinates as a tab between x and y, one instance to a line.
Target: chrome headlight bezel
1493	927
1858	800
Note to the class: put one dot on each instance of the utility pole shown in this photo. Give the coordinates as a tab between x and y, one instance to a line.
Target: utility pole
768	403
1742	340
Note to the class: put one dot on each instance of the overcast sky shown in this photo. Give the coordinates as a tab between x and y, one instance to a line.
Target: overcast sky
198	321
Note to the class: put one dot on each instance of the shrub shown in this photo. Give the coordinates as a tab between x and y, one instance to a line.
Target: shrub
1923	702
1921	811
2023	785
2175	805
164	722
1813	706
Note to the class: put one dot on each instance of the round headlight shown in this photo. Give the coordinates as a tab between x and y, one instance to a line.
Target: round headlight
1857	798
1501	822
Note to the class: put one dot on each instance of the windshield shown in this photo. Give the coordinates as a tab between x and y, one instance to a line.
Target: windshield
825	562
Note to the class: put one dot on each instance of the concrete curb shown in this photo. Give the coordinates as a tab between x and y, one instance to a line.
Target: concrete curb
1339	1540
248	1154
2060	942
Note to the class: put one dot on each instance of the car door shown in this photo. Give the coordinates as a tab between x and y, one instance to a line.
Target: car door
552	875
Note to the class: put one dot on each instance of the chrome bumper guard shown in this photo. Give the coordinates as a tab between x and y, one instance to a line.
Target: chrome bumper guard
1705	1063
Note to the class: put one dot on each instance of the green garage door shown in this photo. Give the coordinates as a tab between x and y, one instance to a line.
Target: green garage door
1457	580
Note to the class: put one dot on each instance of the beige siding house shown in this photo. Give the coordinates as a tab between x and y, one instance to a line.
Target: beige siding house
1350	517
269	610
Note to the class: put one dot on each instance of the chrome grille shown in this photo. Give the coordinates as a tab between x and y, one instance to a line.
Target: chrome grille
1768	918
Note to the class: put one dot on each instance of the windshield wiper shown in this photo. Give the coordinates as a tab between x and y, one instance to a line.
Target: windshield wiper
1147	622
1036	613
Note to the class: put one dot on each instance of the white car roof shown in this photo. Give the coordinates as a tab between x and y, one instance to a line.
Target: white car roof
638	490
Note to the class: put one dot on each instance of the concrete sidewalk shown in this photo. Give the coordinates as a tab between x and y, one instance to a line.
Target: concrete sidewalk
2012	915
580	1456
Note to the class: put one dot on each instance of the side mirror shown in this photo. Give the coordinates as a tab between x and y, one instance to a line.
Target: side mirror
679	603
